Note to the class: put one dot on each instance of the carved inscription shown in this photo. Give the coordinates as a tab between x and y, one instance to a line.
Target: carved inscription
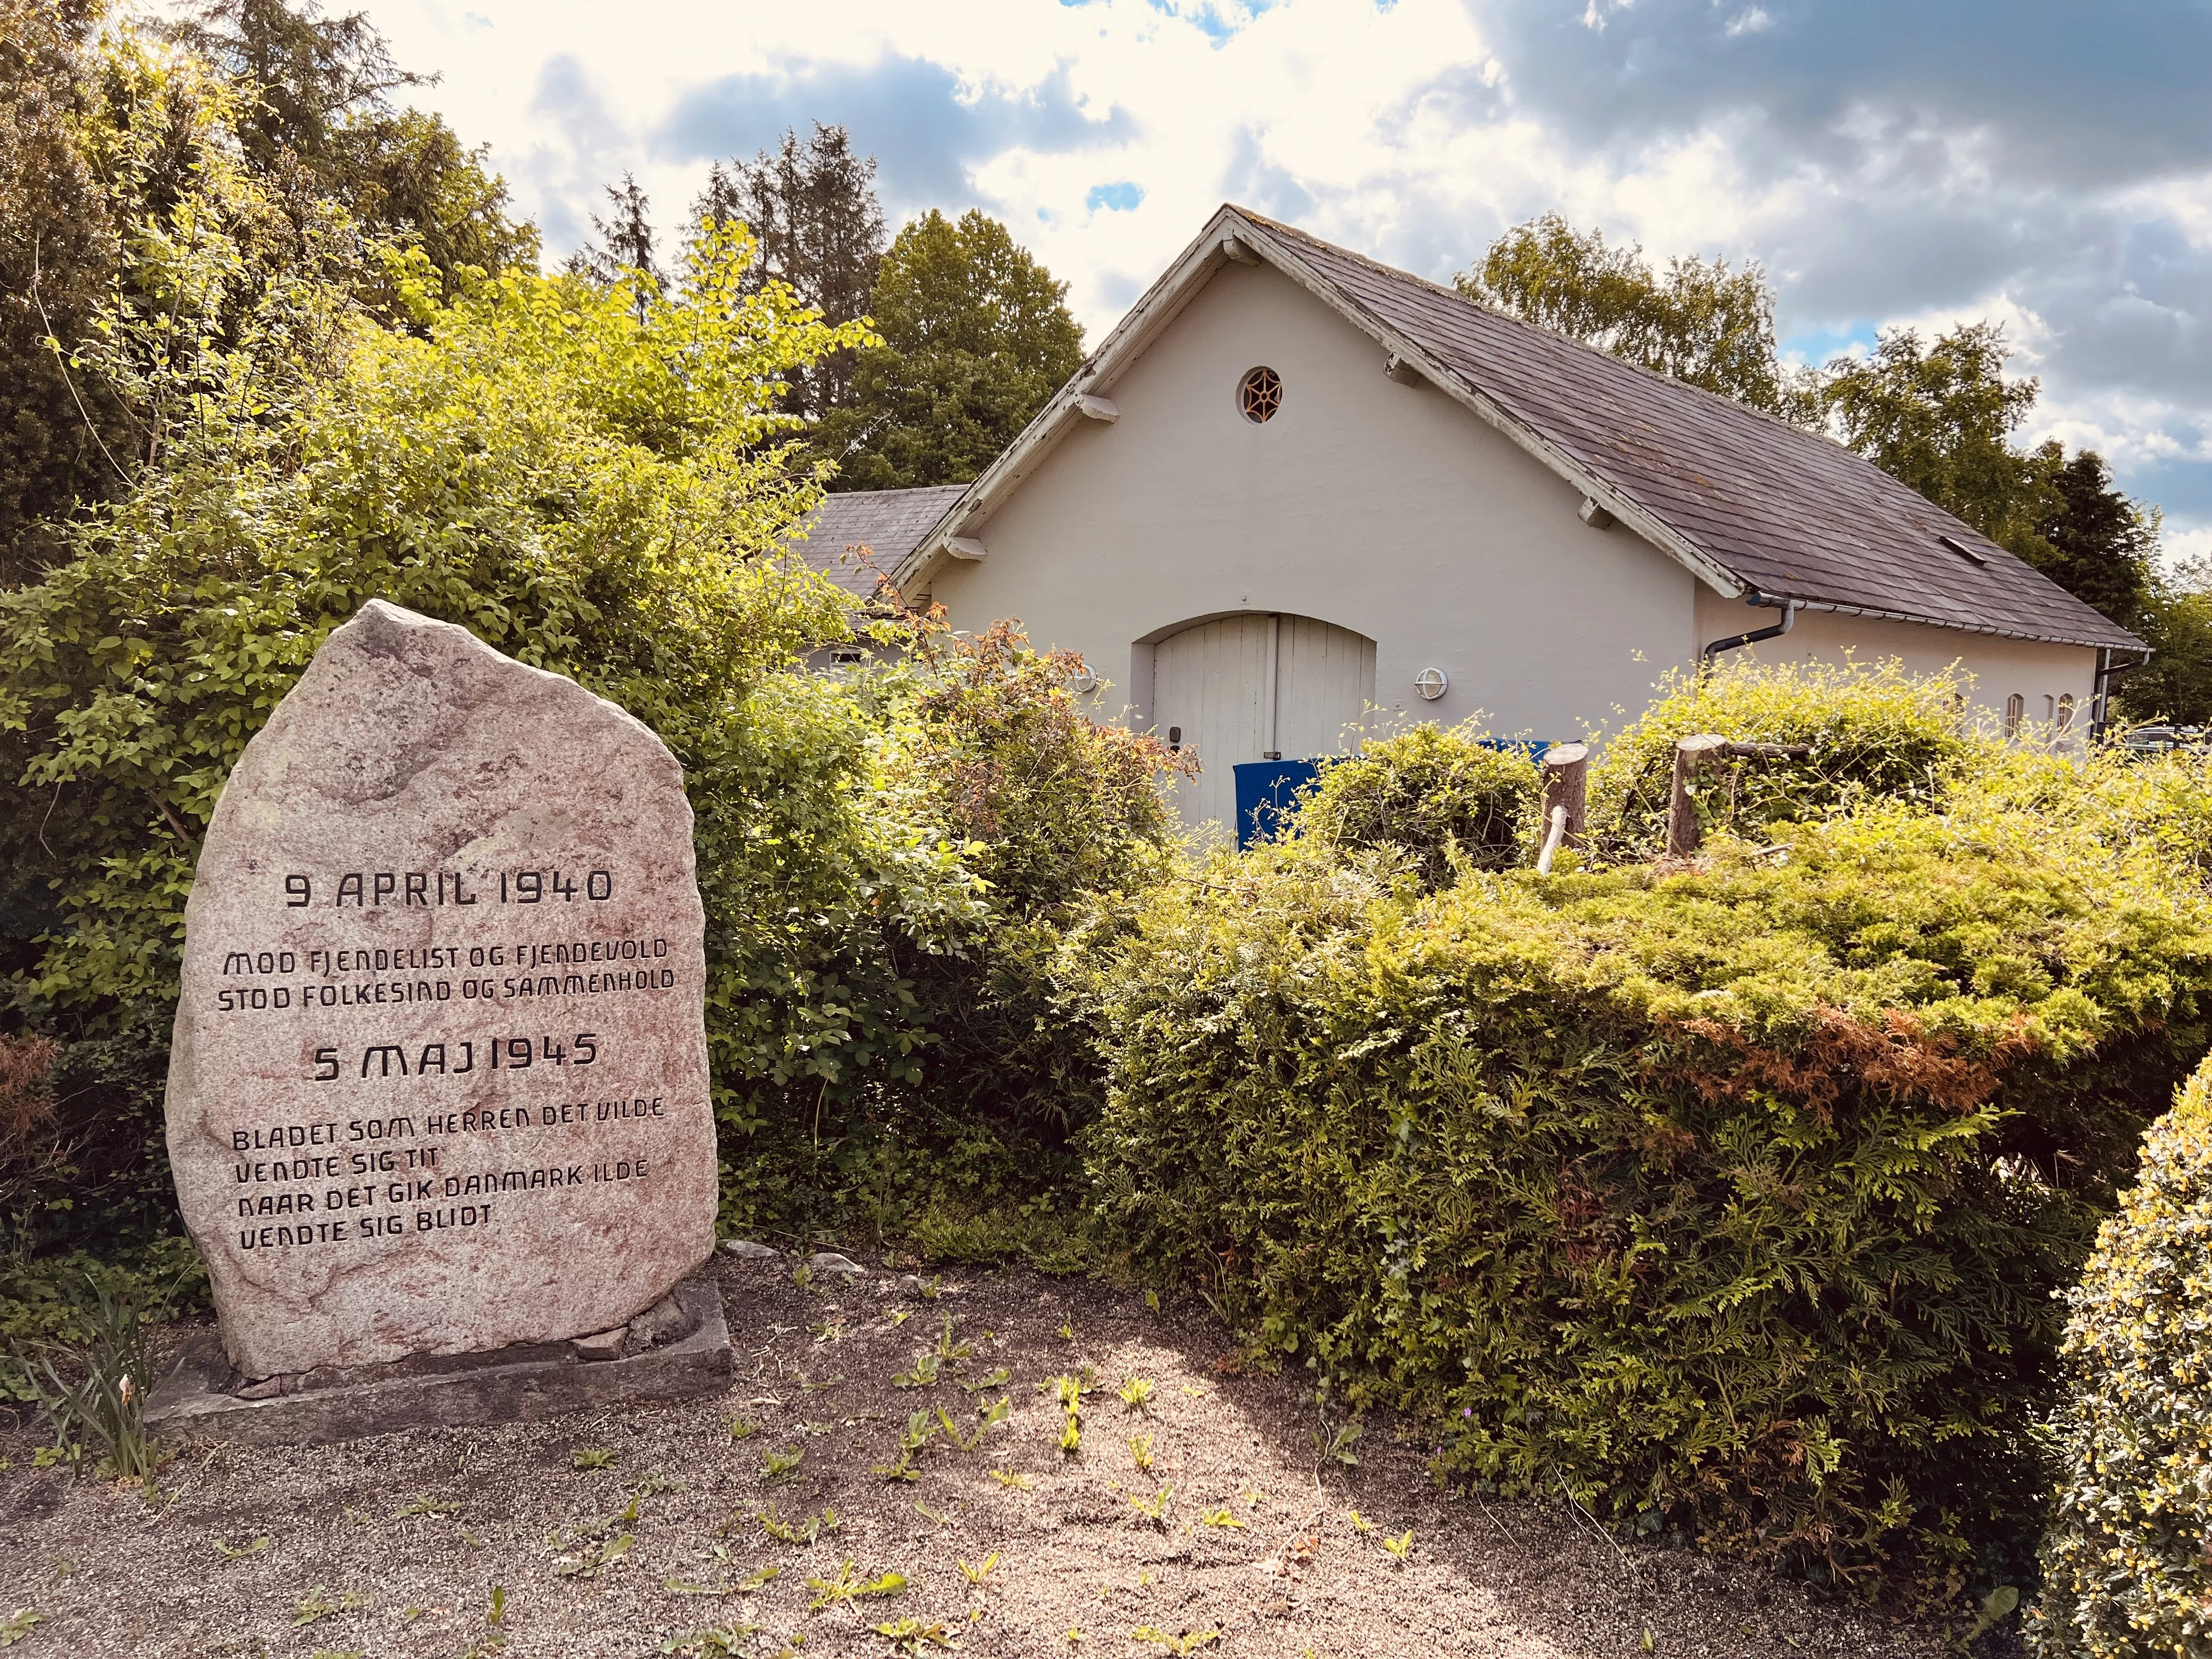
440	1079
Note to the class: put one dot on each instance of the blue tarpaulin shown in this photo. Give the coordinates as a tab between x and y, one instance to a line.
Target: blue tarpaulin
1267	794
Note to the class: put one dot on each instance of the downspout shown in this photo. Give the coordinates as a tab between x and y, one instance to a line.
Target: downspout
1752	596
2100	699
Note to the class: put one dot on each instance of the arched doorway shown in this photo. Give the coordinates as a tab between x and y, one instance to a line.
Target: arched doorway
1256	687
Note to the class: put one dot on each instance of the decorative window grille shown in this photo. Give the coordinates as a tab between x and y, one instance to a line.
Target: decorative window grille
2066	712
1260	394
2015	714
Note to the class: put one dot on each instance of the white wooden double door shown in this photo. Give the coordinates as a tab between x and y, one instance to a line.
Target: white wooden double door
1247	686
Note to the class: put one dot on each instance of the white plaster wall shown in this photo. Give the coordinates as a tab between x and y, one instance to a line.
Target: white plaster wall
1383	508
1998	668
1388	510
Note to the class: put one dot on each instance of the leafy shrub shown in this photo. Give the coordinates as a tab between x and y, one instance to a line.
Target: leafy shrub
1431	794
1733	1200
2125	1569
1874	730
951	1137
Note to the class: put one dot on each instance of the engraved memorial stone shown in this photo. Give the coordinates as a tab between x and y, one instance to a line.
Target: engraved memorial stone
439	1082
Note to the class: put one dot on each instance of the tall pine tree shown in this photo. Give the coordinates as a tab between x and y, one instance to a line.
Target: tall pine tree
810	204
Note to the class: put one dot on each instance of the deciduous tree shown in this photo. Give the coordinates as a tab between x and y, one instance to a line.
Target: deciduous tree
1699	321
976	339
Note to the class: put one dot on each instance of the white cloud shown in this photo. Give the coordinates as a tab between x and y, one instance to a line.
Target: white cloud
1876	190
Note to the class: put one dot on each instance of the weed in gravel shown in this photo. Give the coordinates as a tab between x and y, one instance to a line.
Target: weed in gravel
923	1376
1067	1335
593	1458
744	1586
994	1413
1360	1522
997	1379
830	1330
1401	1547
230	1552
778	1467
1068	1390
14	1627
743	1428
496	1614
908	1635
828	1592
317	1603
898	1316
1140	1452
1221	1518
933	1288
1188	1641
103	1408
1338	1446
826	1383
1155	1508
1136	1394
653	1483
1017	1482
730	1640
803	1277
947	1349
802	1533
921	1429
590	1563
980	1573
425	1506
931	1514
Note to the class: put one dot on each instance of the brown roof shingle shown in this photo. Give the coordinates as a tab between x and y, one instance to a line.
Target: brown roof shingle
1788	512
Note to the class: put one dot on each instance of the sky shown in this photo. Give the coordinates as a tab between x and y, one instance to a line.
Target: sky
2045	163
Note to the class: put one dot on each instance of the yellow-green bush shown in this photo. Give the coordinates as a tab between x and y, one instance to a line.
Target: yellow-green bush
1874	731
1733	1200
2126	1572
1431	794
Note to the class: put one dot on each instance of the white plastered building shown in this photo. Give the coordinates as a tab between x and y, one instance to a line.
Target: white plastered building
1296	493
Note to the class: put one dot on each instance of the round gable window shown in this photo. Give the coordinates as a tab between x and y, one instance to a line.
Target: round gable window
1260	394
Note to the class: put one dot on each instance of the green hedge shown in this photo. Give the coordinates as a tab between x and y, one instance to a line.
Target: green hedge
1874	731
1733	1201
2125	1567
1439	796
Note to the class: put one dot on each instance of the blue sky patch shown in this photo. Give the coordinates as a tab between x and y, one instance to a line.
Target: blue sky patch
1114	198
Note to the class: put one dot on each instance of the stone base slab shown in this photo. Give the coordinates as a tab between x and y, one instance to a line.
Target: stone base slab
520	1383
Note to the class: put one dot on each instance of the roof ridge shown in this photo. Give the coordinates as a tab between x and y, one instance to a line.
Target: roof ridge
1453	292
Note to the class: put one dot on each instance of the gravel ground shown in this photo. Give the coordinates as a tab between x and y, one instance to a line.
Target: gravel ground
463	1543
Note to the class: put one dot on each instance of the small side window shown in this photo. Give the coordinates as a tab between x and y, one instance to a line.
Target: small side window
2015	714
1260	394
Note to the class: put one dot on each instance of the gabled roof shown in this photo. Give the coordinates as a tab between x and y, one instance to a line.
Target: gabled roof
1744	501
889	523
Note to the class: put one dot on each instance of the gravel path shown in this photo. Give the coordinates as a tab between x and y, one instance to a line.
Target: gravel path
640	1532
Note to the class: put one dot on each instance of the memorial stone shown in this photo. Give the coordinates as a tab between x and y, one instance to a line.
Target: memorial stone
439	1083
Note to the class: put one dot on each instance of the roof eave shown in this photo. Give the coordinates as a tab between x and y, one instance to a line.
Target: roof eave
1876	614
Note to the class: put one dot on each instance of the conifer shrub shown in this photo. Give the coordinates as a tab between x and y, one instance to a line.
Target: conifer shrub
2126	1570
1872	729
1730	1200
1434	794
